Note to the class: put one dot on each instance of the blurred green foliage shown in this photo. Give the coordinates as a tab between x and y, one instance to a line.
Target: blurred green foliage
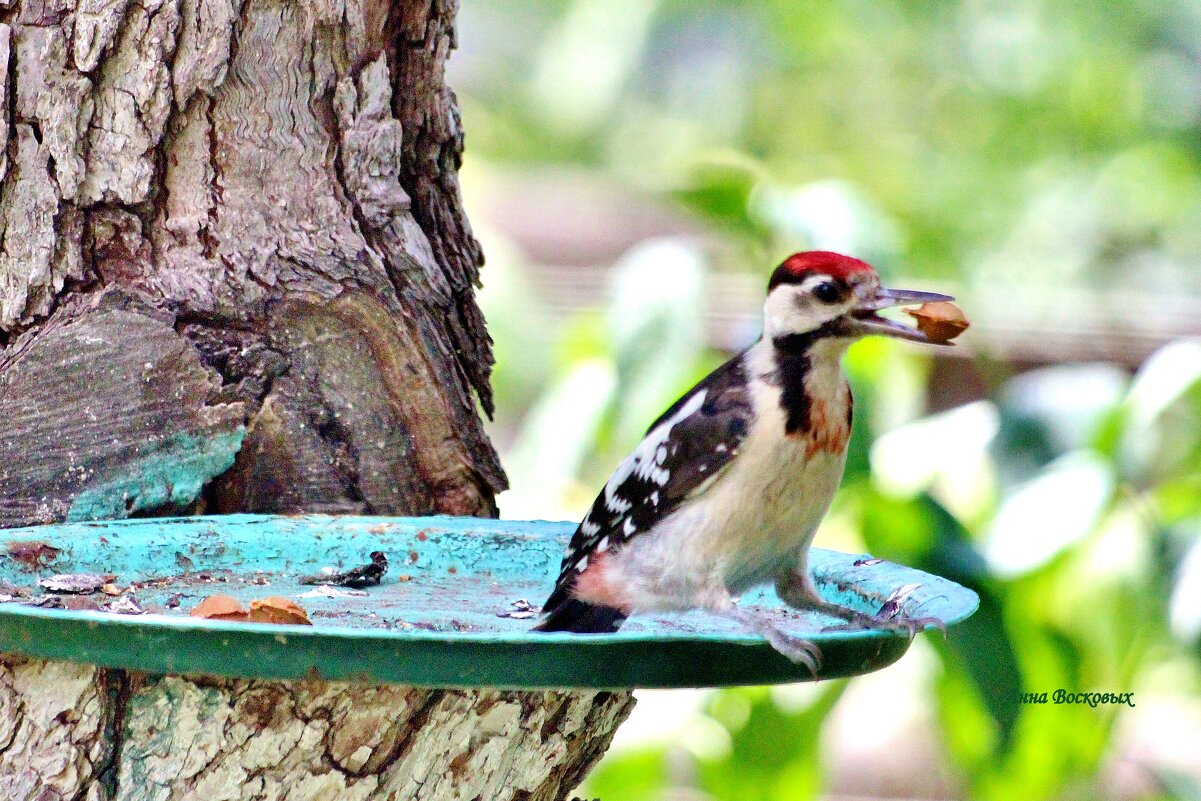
993	141
1030	145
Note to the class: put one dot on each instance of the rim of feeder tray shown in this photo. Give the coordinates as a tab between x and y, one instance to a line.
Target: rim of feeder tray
448	612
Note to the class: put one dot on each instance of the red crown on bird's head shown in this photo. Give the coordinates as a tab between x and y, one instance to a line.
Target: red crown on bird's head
799	266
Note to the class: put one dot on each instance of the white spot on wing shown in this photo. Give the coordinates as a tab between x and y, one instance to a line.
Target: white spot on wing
603	545
640	460
582	565
616	503
628	527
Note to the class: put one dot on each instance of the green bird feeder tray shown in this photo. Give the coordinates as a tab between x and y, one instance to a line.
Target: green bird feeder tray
453	610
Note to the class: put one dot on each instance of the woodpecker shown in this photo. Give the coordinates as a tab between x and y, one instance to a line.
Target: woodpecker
727	488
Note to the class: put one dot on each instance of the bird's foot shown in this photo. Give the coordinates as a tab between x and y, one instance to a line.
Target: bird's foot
887	619
798	650
800	596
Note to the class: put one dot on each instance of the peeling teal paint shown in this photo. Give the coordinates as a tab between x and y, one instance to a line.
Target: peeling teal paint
173	473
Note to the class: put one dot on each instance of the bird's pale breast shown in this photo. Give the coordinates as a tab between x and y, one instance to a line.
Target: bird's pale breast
757	518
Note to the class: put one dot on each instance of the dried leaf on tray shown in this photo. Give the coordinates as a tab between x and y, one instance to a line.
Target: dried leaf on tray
80	603
278	610
220	607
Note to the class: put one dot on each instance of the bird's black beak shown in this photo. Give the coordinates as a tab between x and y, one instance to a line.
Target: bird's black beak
863	320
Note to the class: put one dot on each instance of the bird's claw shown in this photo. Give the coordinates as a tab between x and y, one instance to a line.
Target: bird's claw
924	623
796	649
884	622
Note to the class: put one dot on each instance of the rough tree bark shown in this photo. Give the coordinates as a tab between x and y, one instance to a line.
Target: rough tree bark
235	275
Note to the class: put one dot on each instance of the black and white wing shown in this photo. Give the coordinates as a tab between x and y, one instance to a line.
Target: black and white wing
683	451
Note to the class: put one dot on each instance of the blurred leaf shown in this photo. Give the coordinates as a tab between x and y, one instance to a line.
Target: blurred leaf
719	190
1186	593
888	385
1048	737
970	733
922	534
519	328
1036	520
583	338
1178	785
640	775
944	454
774	753
1048	412
1162	438
1178	499
656	324
828	215
584	64
557	435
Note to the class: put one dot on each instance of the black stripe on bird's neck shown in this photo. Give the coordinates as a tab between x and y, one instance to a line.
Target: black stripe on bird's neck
792	365
799	344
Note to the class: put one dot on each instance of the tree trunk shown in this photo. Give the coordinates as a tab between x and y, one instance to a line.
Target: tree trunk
235	275
252	211
222	740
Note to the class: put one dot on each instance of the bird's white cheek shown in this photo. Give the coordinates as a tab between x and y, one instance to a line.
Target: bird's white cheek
788	312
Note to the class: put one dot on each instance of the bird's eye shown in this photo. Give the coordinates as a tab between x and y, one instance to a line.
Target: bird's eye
827	292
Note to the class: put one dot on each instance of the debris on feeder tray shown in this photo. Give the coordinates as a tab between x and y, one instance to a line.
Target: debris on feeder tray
111	589
361	576
895	602
11	592
75	583
328	591
219	607
940	322
126	605
278	610
521	609
33	554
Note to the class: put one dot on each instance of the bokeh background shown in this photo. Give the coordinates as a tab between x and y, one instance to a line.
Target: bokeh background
635	168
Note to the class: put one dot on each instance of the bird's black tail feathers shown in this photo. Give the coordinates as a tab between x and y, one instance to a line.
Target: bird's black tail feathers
582	618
